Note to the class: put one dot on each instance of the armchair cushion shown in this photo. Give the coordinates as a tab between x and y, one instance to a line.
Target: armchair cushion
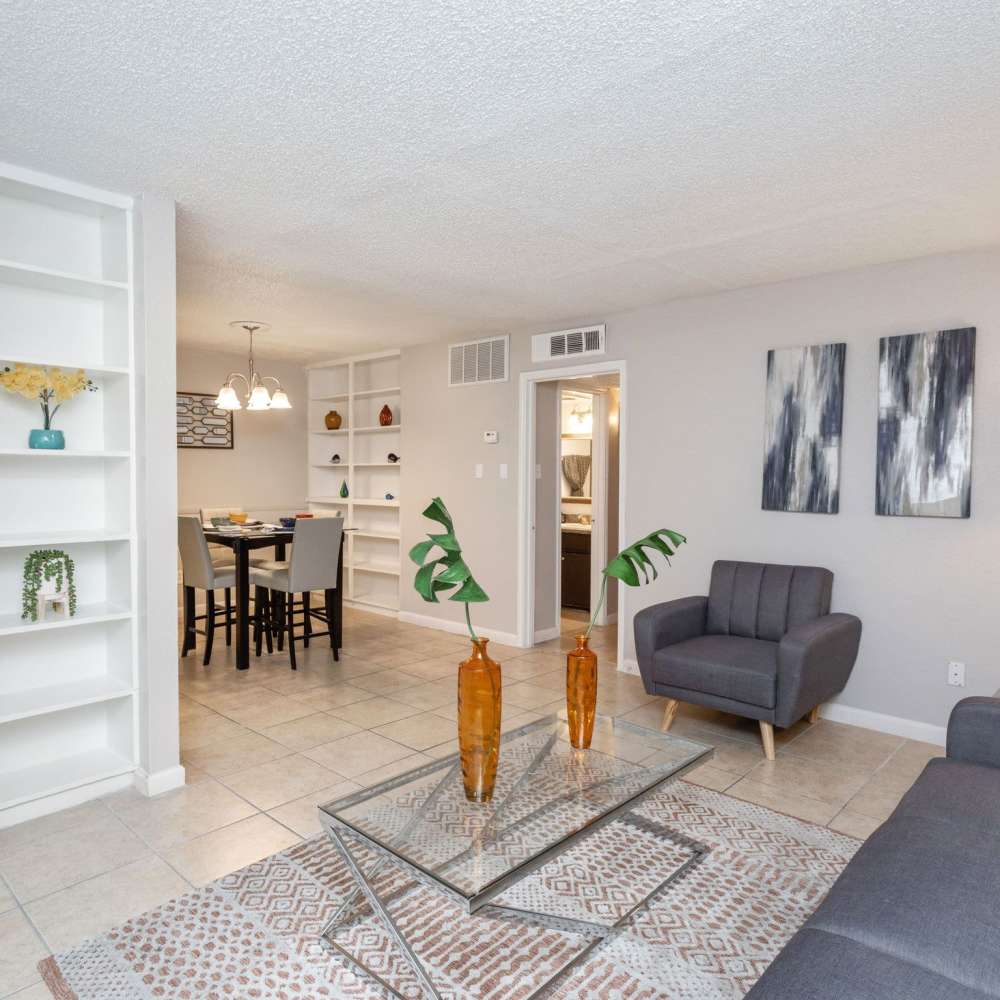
725	666
974	731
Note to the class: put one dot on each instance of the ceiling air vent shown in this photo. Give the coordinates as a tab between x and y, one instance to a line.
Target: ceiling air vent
478	361
568	343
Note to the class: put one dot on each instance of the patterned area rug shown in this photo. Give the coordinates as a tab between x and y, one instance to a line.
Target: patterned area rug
710	934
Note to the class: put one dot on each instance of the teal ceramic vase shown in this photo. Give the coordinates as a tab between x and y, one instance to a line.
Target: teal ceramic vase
50	439
343	488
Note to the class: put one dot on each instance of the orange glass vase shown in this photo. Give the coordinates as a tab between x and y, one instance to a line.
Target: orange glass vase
479	722
581	693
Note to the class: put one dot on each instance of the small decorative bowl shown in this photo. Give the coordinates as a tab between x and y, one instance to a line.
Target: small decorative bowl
237	518
303	515
287	522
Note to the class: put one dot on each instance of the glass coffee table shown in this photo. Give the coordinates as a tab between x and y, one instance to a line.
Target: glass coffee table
419	828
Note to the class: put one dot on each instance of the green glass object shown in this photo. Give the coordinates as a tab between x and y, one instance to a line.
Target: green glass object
343	488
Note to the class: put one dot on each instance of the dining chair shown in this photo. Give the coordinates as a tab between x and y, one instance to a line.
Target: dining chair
199	572
313	566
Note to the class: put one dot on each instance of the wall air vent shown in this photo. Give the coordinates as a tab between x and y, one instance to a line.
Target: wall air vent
478	361
568	343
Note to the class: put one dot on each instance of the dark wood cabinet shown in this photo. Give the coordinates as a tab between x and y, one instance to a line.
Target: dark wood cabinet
576	570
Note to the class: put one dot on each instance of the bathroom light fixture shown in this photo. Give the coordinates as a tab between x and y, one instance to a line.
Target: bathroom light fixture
257	396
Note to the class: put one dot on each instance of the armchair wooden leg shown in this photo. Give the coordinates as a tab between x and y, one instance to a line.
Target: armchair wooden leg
767	738
669	712
813	716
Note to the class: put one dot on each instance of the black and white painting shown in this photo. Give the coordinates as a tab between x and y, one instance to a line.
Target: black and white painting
803	414
924	462
201	424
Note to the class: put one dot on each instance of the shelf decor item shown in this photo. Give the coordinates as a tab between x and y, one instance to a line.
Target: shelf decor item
343	489
393	457
48	386
48	583
333	420
479	697
385	416
581	662
335	459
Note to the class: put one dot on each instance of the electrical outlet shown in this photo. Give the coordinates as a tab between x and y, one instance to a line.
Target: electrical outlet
956	674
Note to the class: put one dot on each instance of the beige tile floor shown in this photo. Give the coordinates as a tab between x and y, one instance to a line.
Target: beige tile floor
263	747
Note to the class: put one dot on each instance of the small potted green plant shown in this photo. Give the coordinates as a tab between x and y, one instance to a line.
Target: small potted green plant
48	578
479	689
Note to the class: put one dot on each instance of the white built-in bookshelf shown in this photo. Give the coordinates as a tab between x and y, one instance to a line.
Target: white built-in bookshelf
68	687
357	388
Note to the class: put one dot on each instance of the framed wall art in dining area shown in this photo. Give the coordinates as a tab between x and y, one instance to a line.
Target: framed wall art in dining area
201	424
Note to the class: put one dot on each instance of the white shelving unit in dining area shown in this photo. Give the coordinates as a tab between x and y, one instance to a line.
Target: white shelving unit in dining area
68	686
358	388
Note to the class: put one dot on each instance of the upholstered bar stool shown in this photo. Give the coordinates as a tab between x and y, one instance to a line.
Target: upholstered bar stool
199	572
313	566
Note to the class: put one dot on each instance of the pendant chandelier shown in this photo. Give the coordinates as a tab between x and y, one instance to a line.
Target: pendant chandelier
257	396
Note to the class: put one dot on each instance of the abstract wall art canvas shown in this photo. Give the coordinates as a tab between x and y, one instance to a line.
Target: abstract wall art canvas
803	414
201	424
924	460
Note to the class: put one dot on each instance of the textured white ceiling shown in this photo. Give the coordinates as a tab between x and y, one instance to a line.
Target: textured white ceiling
366	174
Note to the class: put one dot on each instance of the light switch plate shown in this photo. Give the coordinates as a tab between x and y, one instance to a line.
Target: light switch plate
479	470
503	470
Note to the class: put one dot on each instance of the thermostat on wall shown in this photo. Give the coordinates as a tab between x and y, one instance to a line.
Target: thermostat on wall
491	437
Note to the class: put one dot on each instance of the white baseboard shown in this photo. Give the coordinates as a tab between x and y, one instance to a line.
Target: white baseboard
908	728
371	609
835	712
63	800
545	634
159	781
458	628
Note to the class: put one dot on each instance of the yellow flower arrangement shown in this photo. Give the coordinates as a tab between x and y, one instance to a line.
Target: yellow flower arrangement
45	385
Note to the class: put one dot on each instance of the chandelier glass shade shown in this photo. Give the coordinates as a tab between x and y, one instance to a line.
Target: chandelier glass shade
257	395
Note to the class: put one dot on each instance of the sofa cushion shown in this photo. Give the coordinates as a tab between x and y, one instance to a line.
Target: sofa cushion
816	965
924	890
727	666
956	792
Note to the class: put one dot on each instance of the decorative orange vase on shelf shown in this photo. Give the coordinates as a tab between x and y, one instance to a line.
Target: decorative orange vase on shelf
581	693
385	416
479	722
333	421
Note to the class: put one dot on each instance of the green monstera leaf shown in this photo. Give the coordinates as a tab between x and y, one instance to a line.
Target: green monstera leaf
448	570
633	560
627	565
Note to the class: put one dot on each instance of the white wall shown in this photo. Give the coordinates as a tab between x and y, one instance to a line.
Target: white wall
925	588
156	485
266	470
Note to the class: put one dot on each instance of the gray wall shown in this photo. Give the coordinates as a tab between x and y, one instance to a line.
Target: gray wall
266	470
694	411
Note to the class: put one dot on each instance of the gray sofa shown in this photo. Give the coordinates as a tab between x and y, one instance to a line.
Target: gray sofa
916	914
762	644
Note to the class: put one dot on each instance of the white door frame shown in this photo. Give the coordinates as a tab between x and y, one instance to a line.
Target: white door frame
526	488
599	500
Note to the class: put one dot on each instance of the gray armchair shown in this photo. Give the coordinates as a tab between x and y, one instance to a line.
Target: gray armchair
763	645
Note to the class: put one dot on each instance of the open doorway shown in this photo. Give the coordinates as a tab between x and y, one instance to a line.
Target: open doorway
571	507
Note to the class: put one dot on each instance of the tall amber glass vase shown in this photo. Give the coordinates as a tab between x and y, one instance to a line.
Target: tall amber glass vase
479	722
581	693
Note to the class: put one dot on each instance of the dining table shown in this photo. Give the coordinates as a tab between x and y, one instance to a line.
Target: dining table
243	543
